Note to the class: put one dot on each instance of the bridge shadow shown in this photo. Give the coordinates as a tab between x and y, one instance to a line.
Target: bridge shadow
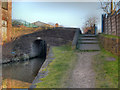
38	49
27	70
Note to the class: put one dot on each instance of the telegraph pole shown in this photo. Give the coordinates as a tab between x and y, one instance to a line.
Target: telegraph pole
111	6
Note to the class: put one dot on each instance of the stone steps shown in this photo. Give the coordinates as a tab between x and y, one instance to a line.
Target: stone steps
87	38
88	42
89	47
87	35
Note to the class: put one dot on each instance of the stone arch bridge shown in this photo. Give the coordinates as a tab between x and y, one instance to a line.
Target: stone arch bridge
25	46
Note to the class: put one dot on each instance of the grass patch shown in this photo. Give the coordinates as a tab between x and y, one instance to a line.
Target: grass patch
106	71
59	69
110	36
86	50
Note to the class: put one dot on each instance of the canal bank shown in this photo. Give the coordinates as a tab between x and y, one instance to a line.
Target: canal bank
45	64
21	74
42	72
58	66
68	49
22	71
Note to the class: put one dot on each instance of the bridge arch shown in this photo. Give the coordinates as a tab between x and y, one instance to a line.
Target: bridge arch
38	48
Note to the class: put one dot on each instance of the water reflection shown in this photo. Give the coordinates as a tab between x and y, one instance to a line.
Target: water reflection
22	71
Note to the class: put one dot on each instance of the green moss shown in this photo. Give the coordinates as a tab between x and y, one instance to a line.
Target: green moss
110	36
59	68
106	71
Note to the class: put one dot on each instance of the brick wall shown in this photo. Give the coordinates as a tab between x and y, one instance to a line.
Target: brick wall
6	16
9	20
110	44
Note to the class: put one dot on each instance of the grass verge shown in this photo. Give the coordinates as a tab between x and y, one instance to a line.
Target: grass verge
110	36
106	71
59	69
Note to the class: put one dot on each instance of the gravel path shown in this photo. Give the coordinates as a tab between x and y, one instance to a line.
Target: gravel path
83	75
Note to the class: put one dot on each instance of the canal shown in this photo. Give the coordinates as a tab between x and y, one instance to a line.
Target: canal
21	74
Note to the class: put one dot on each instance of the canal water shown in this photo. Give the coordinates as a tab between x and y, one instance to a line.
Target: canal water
24	71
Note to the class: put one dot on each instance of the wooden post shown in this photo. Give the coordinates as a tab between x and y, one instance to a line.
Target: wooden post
104	24
111	24
103	20
112	6
107	25
116	23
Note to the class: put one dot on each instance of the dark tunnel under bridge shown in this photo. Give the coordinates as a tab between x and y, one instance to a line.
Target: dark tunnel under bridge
38	49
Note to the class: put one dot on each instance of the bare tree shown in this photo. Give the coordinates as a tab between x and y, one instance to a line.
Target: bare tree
110	7
91	21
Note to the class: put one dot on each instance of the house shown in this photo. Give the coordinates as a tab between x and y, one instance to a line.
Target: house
56	25
5	20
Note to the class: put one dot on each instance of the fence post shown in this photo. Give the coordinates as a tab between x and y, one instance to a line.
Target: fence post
102	23
116	23
107	24
111	24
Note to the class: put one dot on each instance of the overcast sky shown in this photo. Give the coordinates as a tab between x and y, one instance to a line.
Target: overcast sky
68	14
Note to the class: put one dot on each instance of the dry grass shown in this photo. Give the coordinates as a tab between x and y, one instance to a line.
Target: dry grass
19	31
16	31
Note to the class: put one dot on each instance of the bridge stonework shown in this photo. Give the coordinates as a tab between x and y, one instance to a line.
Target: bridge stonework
22	46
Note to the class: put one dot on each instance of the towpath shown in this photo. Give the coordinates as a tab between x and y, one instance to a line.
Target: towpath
83	75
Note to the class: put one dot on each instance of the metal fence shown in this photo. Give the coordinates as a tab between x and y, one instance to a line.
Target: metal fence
111	24
18	23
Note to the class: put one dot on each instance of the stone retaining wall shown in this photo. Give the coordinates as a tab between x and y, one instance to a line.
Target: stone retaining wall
42	73
110	44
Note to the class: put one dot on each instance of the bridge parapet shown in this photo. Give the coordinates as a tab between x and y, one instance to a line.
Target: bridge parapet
76	37
24	44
